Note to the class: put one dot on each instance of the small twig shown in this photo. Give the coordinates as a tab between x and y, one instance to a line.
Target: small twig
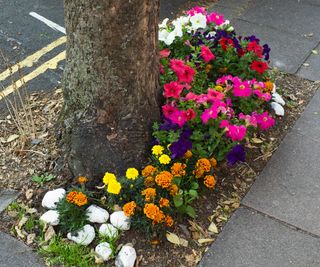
33	151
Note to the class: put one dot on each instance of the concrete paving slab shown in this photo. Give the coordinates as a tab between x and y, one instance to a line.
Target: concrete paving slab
229	13
6	197
253	240
289	186
288	51
311	72
309	122
287	15
14	253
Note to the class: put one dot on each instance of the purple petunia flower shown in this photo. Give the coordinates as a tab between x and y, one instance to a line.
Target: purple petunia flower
236	154
252	38
168	125
180	147
266	51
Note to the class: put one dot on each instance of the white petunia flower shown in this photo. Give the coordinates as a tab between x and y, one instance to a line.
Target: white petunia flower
181	21
198	21
163	24
163	35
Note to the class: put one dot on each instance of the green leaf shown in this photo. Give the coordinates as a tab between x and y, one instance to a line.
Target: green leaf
194	185
193	193
178	201
190	211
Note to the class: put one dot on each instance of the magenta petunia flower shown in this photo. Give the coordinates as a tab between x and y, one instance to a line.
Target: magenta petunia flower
265	121
172	89
184	72
196	10
168	110
178	117
207	54
242	89
190	114
264	96
236	133
209	113
214	95
216	18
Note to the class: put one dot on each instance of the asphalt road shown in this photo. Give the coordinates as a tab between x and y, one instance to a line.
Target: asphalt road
22	35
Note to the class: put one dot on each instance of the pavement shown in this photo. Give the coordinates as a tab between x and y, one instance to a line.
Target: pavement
278	223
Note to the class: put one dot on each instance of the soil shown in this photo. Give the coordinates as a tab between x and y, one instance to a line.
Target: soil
35	151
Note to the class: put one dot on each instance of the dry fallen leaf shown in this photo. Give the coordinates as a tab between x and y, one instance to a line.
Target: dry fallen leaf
205	240
174	239
12	138
30	238
49	233
256	140
213	228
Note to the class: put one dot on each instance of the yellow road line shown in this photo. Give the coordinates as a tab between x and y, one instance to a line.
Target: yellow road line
50	64
30	60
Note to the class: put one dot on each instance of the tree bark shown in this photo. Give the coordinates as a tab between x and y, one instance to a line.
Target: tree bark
111	89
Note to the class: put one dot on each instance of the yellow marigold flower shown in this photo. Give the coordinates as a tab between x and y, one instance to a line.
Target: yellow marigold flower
151	210
164	159
204	164
188	154
169	221
268	86
164	179
108	177
71	195
178	169
82	179
149	194
80	199
148	170
132	173
218	88
157	150
174	189
209	181
164	202
114	187
213	162
149	181
129	208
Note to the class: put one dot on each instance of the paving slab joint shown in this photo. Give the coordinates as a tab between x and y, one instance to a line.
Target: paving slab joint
289	225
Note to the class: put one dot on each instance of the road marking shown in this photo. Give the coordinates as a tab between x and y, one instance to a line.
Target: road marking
50	23
50	64
30	60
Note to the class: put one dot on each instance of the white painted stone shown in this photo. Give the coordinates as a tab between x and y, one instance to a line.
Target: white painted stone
84	236
97	214
108	230
278	109
104	251
50	217
126	257
278	98
119	220
51	198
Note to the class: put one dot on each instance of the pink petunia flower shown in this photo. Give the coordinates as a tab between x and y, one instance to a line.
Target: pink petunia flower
168	109
214	95
207	54
190	114
184	72
172	89
217	18
197	9
265	121
250	120
242	89
209	113
191	96
161	69
264	96
178	117
236	133
164	53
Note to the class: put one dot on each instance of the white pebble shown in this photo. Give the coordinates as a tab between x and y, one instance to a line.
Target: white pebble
104	251
126	257
278	98
97	214
119	220
51	198
84	236
278	109
50	217
108	230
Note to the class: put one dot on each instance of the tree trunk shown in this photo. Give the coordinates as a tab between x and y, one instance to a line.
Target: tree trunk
111	86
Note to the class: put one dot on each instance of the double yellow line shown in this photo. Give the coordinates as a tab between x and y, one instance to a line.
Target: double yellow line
28	62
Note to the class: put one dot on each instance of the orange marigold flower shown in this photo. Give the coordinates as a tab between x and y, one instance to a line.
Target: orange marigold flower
164	202
268	86
198	172
164	179
213	162
149	181
188	154
149	193
173	189
129	208
82	179
208	68
204	164
148	171
159	218
209	181
80	199
71	195
169	221
177	169
151	210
